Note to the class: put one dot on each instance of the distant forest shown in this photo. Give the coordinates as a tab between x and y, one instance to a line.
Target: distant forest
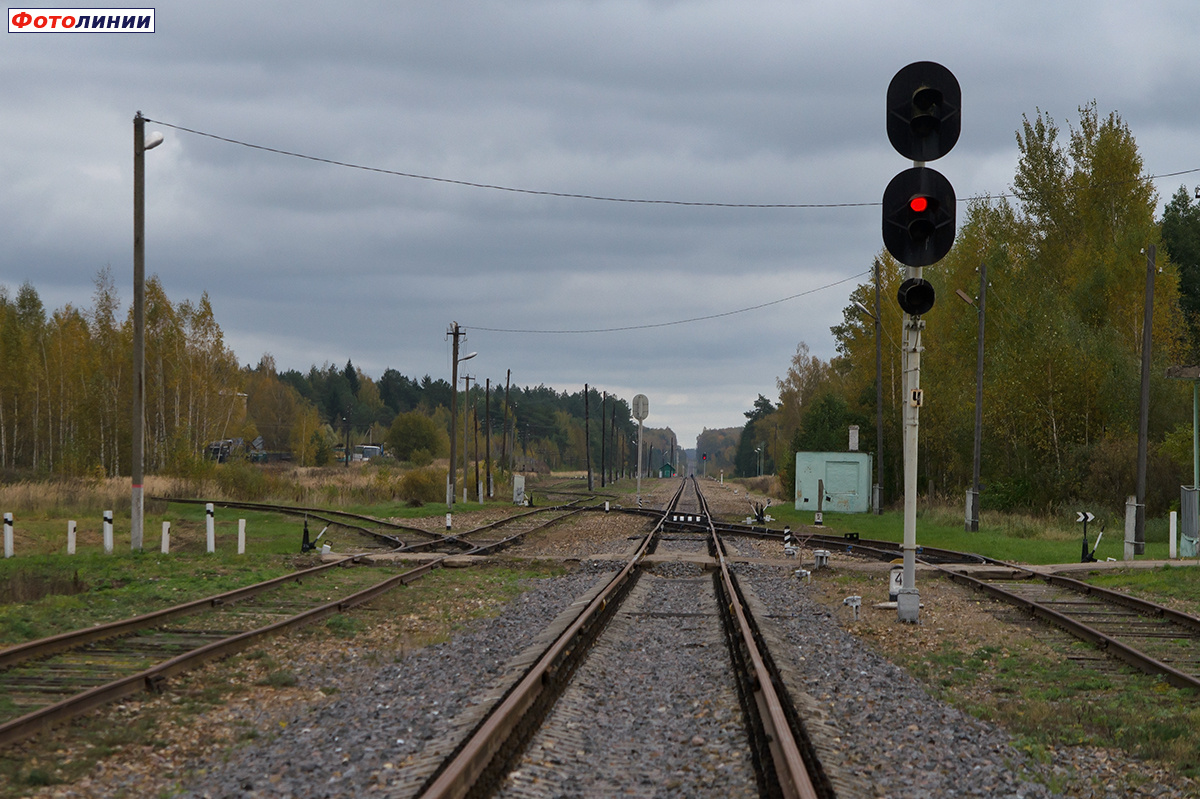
66	399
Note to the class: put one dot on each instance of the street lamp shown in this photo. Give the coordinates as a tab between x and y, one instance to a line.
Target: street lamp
141	143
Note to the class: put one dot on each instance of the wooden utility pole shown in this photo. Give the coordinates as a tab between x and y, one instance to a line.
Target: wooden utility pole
504	451
475	432
612	433
487	434
603	452
466	399
1139	523
587	444
973	520
454	332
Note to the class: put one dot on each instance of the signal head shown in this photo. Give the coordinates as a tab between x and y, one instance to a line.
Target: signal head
918	216
924	111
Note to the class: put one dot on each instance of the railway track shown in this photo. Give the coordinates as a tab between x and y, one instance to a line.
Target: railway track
49	680
629	624
351	521
501	533
1148	636
672	594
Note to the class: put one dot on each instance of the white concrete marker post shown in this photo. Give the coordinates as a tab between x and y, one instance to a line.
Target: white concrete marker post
8	535
71	537
1172	535
211	528
1131	505
166	538
241	536
108	532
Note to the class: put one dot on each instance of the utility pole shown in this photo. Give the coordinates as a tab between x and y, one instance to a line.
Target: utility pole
603	401
487	434
475	431
973	515
1139	523
612	437
466	399
454	332
587	444
504	451
137	461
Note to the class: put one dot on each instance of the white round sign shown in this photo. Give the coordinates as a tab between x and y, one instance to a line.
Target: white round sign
641	407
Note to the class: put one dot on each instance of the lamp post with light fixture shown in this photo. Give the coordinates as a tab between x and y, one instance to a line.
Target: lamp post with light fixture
141	143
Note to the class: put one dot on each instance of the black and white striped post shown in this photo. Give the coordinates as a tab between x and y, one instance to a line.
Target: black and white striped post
210	529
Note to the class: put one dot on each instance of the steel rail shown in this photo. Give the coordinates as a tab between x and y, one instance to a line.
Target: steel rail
1144	607
485	754
789	767
877	548
1100	640
50	645
151	678
322	514
458	539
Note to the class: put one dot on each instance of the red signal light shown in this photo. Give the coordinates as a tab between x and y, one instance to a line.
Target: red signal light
919	205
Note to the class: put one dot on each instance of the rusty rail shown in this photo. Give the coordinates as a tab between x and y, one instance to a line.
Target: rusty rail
1114	646
482	759
777	739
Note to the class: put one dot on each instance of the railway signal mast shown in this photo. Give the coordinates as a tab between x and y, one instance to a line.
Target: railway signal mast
641	409
923	122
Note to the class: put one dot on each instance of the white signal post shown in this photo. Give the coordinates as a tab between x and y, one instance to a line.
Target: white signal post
908	602
641	409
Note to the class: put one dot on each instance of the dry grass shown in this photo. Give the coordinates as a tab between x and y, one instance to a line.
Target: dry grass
329	486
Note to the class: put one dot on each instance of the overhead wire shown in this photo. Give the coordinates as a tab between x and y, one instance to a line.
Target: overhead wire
600	198
564	194
652	325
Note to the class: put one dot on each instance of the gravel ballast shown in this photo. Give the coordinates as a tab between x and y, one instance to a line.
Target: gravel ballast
890	736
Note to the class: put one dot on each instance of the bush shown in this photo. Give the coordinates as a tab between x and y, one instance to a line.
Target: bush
240	480
419	486
415	431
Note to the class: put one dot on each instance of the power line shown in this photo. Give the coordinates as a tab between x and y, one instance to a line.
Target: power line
494	187
677	321
570	195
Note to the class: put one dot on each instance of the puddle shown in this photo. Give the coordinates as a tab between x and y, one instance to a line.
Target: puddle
29	587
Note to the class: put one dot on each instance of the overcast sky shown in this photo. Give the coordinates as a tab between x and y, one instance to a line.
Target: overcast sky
707	102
